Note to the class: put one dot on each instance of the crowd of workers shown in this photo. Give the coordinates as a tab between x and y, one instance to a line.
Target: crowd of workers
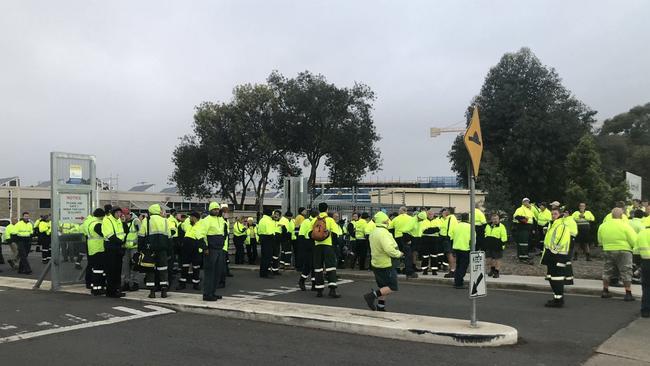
121	246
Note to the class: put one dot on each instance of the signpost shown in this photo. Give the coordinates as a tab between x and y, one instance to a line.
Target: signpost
473	140
73	197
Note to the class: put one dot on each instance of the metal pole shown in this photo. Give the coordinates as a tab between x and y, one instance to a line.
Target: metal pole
472	213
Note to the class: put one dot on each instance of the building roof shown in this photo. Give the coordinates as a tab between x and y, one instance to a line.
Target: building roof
4	181
45	184
170	190
141	188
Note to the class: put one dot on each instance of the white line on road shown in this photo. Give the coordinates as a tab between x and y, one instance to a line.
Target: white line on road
75	319
157	310
7	327
43	324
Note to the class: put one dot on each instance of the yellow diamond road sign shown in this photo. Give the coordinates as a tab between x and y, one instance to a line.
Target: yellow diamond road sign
474	141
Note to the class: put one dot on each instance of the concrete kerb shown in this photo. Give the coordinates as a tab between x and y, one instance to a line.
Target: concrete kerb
417	328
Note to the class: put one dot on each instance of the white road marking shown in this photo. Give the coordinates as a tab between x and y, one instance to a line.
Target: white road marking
43	324
7	327
105	315
242	296
157	310
75	319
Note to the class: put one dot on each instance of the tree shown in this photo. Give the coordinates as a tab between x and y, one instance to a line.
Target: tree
586	180
329	123
530	122
624	142
234	146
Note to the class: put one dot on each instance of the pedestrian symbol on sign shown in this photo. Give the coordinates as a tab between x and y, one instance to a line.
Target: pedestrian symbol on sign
477	286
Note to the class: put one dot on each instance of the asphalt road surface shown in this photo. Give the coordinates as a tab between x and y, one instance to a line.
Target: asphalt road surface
100	331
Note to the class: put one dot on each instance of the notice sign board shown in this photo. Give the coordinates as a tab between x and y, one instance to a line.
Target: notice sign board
74	208
477	287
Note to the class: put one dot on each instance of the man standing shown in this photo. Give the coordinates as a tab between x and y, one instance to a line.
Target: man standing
496	238
131	228
307	250
114	239
277	242
643	249
584	218
543	220
447	225
251	241
45	238
383	249
212	228
239	237
190	255
617	239
22	234
96	253
360	241
403	225
461	237
557	243
323	231
266	232
286	252
154	239
479	223
523	220
8	239
428	249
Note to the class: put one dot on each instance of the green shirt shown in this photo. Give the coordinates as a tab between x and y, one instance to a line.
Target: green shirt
616	234
462	236
383	247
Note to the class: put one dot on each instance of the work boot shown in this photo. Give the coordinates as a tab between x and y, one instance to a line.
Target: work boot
333	293
313	287
301	284
370	300
163	293
434	273
449	274
210	298
77	266
496	274
606	295
152	294
181	286
12	263
588	257
425	272
412	275
125	287
196	286
555	303
628	297
491	273
319	293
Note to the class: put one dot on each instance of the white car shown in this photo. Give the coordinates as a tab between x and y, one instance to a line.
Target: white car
3	225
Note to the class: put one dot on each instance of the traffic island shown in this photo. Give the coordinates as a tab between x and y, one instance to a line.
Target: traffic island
406	327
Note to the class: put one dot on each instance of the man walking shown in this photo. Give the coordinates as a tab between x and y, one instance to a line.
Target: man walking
383	250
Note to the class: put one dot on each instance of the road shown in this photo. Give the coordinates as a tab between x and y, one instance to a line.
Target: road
547	336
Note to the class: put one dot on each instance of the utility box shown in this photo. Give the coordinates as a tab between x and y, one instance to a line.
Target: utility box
296	194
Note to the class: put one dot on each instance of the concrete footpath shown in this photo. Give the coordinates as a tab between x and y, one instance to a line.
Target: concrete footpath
409	327
510	282
627	347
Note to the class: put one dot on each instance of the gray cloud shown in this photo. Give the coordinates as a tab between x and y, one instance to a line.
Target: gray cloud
120	79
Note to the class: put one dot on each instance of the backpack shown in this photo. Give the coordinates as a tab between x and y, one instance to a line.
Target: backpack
319	231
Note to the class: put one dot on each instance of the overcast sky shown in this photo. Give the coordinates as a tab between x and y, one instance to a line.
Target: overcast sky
120	79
